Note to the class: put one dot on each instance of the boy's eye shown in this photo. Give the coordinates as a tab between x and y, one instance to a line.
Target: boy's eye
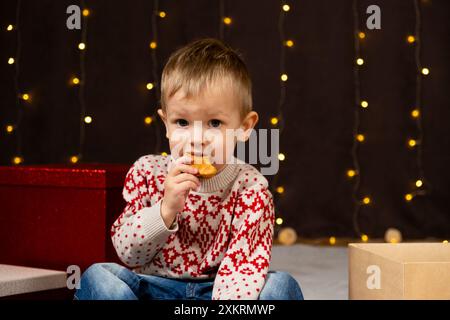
182	122
215	123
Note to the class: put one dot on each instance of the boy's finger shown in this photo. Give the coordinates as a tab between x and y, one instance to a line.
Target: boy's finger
183	168
186	186
186	177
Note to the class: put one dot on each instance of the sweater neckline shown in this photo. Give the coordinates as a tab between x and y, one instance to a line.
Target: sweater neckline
221	180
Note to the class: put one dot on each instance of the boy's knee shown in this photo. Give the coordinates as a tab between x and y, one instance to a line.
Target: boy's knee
280	285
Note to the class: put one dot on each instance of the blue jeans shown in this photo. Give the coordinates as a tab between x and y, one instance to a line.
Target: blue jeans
111	281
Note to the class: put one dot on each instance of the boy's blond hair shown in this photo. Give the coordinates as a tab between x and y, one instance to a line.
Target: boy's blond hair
200	64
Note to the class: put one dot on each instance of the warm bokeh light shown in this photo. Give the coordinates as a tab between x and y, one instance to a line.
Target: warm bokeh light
148	120
11	60
279	221
86	12
411	39
162	14
360	137
412	143
153	45
364	104
88	119
10	27
359	61
361	35
332	241
284	77
75	80
415	113
280	189
408	197
289	43
9	128
26	97
419	183
366	200
149	86
274	120
281	156
425	71
17	160
364	238
81	46
227	20
351	173
74	159
286	8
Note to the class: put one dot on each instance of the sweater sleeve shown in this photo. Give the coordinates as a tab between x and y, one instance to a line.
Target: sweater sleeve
139	232
242	272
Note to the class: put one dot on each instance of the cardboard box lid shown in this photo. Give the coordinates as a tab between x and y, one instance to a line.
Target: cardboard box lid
408	252
85	175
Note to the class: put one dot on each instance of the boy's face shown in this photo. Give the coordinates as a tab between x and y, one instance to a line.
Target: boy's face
208	124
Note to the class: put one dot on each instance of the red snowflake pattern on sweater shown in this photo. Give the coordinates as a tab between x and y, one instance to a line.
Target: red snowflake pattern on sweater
224	232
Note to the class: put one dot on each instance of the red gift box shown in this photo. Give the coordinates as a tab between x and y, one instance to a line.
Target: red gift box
53	216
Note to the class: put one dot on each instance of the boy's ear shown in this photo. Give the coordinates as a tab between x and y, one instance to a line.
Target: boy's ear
163	116
249	122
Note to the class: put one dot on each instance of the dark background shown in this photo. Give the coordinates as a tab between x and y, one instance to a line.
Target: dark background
319	108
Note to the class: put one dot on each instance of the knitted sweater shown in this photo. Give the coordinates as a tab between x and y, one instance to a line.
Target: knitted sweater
224	232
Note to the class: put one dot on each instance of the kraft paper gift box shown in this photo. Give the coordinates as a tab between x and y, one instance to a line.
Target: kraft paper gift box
399	271
53	216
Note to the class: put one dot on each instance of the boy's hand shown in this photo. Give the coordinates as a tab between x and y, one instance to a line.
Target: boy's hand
179	181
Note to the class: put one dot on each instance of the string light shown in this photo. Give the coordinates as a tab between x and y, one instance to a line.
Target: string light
355	172
75	80
227	20
415	113
425	71
274	120
408	197
332	241
419	183
286	8
17	160
88	119
162	14
360	137
411	39
445	242
149	86
351	173
164	153
80	85
74	159
289	43
153	45
279	221
284	44
412	143
148	120
20	97
280	189
364	238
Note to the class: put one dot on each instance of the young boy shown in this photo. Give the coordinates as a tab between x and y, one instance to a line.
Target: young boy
184	236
